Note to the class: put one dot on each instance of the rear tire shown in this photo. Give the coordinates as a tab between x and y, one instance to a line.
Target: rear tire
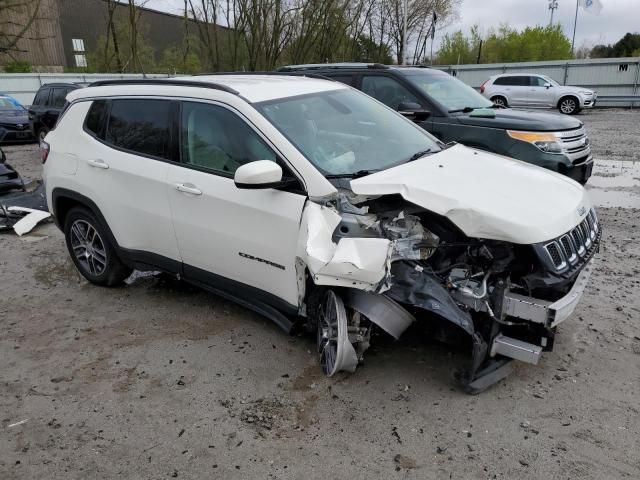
500	101
91	250
42	132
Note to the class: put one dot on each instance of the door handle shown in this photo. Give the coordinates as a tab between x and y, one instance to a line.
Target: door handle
98	163
188	188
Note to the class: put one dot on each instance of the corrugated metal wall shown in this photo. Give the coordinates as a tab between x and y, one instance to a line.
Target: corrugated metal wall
608	76
23	86
41	44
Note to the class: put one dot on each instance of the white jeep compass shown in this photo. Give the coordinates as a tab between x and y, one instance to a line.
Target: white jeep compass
311	202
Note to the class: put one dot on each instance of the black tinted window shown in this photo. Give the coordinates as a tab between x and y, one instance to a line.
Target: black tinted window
219	140
41	96
513	81
346	79
387	90
58	97
538	81
142	126
95	118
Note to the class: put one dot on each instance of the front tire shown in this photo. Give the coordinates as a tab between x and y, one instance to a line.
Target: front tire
568	106
91	251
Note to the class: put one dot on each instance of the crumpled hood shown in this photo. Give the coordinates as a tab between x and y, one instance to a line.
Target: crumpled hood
485	195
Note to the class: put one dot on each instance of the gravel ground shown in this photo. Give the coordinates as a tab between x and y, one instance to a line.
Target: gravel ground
156	379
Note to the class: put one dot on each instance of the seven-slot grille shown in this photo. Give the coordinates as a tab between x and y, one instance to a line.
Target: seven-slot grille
570	247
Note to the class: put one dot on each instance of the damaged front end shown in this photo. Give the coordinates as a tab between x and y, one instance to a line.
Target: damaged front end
386	263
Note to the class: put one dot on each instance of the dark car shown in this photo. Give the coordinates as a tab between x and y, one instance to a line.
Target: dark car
453	111
47	105
14	121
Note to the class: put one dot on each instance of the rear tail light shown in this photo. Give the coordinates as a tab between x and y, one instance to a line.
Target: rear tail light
482	86
44	150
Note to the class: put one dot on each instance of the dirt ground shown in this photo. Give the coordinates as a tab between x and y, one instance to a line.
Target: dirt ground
156	379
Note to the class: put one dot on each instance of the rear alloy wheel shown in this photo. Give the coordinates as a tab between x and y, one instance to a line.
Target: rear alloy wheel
91	251
568	106
499	102
42	133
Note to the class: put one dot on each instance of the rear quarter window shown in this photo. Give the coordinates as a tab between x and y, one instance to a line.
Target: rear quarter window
41	97
58	97
95	120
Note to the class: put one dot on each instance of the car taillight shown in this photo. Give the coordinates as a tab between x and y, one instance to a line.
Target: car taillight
44	151
482	87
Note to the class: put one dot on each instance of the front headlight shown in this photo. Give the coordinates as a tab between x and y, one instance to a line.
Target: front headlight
546	142
585	92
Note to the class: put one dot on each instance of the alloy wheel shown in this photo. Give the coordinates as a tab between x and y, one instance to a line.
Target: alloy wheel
568	106
88	247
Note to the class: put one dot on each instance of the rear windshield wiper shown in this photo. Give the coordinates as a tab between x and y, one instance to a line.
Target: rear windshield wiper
358	174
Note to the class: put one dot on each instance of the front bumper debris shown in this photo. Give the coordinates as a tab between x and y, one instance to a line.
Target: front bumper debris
544	312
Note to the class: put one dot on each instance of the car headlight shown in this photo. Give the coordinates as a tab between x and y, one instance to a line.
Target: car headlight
585	92
546	142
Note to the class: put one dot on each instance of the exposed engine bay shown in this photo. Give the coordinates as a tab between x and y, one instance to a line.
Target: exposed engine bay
384	263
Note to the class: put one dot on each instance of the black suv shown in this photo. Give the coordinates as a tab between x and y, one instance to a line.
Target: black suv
453	111
47	105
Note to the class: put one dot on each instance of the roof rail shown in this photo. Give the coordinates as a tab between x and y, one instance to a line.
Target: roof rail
292	73
332	66
162	81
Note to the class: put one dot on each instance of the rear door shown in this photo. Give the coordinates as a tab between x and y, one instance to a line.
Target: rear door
124	159
231	237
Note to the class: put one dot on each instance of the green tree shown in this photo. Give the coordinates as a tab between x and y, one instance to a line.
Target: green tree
505	44
627	46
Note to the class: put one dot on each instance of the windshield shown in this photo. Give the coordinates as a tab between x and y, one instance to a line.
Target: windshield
8	103
449	91
345	132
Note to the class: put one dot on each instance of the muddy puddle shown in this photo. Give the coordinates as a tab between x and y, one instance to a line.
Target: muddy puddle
615	183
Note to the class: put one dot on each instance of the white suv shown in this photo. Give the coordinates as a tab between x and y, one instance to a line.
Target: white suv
311	202
536	91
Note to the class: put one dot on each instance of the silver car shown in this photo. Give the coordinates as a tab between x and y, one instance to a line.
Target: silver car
536	91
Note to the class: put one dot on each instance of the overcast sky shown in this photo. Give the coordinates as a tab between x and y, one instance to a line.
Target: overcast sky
617	18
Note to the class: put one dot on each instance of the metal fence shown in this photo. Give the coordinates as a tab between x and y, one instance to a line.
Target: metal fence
617	80
23	86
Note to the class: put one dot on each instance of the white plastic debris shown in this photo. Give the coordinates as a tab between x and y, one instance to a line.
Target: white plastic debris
26	224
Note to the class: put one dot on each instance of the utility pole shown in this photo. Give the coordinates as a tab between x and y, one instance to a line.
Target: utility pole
404	33
553	6
575	24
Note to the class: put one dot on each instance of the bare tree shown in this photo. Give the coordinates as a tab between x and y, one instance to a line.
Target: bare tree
16	20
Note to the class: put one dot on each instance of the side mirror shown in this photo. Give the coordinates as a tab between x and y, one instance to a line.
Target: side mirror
259	174
548	85
413	111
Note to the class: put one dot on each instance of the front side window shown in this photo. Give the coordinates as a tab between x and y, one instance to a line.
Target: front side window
538	81
387	90
448	91
140	126
216	139
58	97
343	132
346	79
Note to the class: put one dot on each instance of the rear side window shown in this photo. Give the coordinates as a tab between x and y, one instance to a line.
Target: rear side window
515	81
95	118
58	97
141	126
41	97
